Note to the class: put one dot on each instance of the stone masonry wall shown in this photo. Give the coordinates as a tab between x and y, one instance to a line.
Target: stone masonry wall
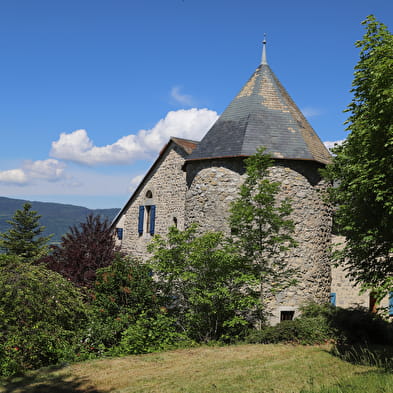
347	293
167	182
214	184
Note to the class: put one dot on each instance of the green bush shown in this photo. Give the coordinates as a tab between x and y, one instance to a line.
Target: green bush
352	326
41	316
123	293
150	334
356	326
306	330
322	322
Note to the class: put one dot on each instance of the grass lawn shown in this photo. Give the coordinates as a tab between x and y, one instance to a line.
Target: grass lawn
232	369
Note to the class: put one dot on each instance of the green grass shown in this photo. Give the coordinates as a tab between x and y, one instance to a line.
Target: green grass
370	382
232	369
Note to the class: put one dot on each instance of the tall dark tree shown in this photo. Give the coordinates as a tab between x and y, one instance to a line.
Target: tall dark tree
261	227
83	250
362	169
23	238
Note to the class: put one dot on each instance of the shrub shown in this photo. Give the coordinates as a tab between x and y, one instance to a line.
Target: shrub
321	322
123	293
356	326
352	326
306	330
150	334
41	315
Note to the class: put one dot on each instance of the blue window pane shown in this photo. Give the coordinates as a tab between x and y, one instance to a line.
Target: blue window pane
140	219
152	219
119	232
333	298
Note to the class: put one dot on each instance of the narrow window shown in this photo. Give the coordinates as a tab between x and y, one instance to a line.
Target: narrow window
390	303
119	232
333	298
175	222
286	315
148	218
140	219
152	219
373	303
147	215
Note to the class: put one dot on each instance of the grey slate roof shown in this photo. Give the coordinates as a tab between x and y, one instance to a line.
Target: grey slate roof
262	114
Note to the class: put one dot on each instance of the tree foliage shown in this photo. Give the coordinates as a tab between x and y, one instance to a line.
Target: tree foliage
124	293
127	284
83	250
206	287
261	227
362	169
23	238
41	314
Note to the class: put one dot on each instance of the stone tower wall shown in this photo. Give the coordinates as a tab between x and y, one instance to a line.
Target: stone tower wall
167	182
213	184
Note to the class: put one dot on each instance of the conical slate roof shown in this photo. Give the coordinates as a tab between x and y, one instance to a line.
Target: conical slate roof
262	114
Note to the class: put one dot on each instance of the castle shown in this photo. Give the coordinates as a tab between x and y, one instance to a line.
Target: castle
194	181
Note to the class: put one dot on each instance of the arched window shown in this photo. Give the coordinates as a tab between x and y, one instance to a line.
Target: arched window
147	215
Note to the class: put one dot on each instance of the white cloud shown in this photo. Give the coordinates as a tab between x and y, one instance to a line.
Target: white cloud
311	112
135	182
330	144
78	147
49	170
81	182
184	99
13	176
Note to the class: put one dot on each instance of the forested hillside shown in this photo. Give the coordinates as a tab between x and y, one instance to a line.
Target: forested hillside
56	217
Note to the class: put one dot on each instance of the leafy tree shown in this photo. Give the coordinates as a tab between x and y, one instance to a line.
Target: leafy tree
261	228
41	316
362	168
83	250
23	238
127	284
206	286
126	314
121	293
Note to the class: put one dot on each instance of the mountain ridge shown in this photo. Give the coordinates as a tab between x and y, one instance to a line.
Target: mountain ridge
55	217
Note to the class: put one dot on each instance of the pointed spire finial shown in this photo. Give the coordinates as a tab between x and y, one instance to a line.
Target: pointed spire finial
264	61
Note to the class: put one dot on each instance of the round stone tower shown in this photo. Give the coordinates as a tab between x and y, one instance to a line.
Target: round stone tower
263	114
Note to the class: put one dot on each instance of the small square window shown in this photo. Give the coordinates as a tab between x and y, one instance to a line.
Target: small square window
286	315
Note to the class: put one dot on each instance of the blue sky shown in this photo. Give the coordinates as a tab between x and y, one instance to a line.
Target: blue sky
90	90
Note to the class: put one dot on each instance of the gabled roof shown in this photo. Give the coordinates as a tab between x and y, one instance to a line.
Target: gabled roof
262	114
186	145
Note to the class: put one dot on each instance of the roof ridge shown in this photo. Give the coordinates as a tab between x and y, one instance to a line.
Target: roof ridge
184	139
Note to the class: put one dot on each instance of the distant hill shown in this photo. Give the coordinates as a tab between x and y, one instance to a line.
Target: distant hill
56	217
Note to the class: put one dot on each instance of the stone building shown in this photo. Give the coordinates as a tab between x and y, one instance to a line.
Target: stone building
195	182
